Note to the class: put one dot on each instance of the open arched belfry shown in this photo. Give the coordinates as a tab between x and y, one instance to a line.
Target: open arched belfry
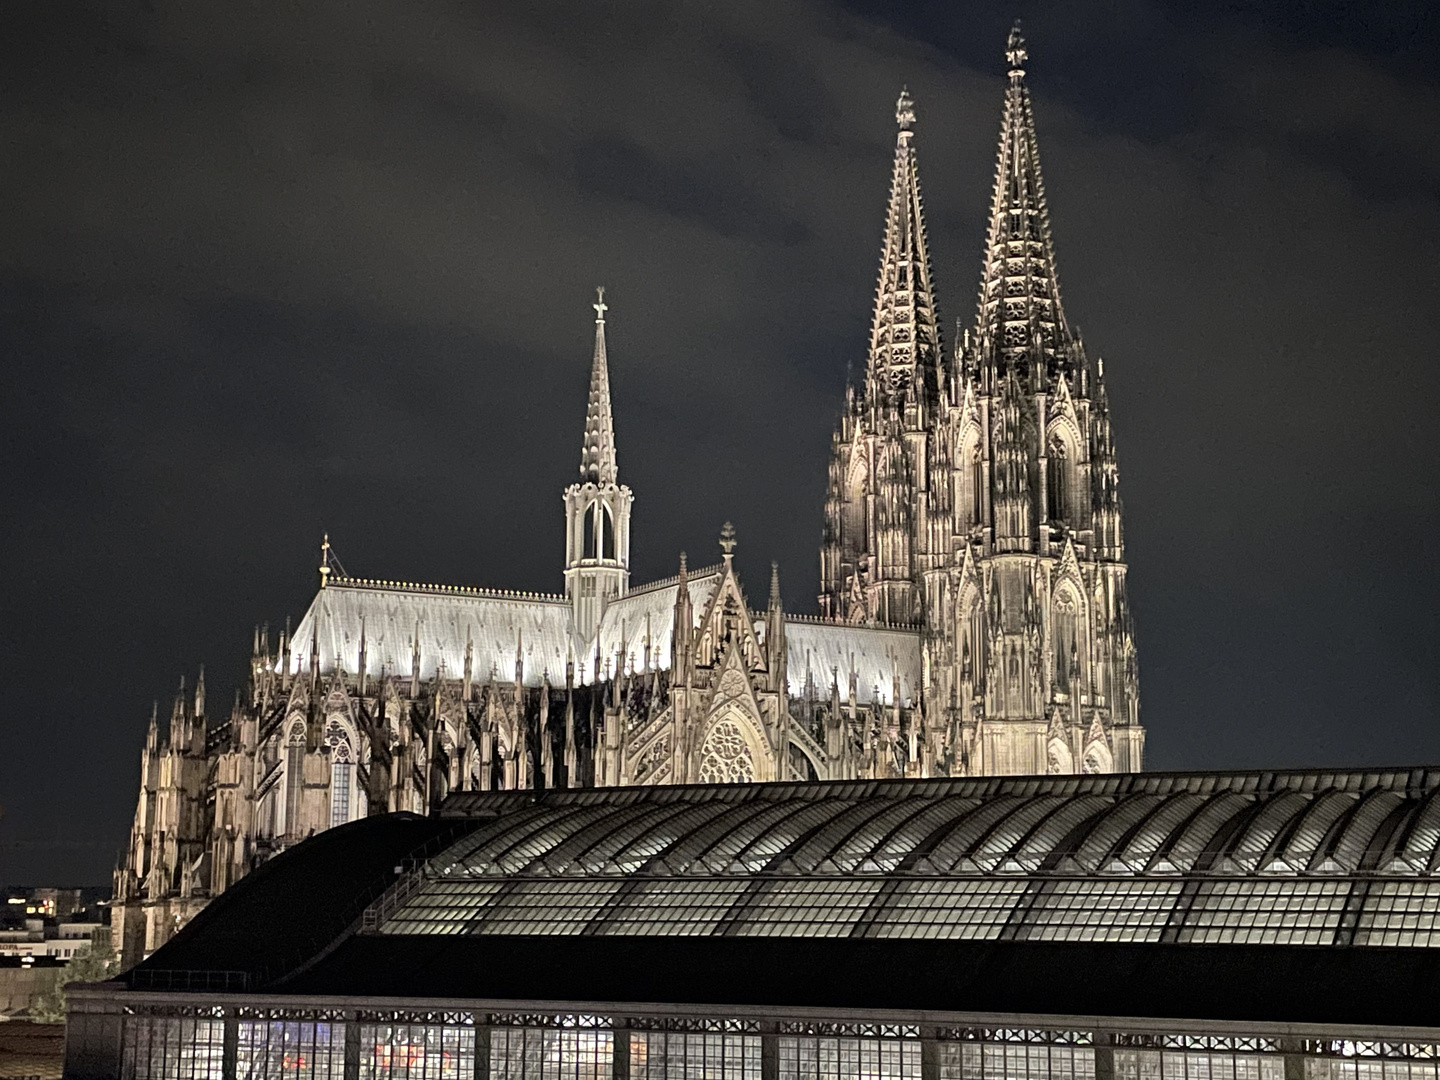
973	611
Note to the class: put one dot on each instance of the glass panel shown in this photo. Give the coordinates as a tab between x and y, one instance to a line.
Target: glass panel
805	1058
1019	1061
973	909
550	907
443	907
809	908
268	1049
1266	912
172	1048
416	1052
1400	913
550	1054
675	906
1123	910
673	1055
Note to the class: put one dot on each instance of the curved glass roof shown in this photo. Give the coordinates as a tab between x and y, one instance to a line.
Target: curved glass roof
1281	858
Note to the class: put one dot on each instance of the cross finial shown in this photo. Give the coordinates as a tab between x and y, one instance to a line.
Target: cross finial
905	110
727	538
325	560
1015	49
600	306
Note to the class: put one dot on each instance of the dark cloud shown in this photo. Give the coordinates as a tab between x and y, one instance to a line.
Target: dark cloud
328	267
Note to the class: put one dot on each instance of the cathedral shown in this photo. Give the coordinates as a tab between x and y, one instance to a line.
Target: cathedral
973	616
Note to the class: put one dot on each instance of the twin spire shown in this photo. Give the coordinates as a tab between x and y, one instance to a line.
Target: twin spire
597	456
905	334
1019	320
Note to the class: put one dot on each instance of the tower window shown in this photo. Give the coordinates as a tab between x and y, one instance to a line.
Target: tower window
1057	482
599	532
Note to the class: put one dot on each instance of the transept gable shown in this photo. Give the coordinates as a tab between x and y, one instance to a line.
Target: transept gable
727	619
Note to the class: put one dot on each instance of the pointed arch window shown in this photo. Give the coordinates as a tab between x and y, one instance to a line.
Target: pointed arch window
1058	483
977	488
342	773
599	532
852	520
294	779
1064	634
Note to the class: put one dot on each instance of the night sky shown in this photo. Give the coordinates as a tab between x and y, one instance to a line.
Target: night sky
268	270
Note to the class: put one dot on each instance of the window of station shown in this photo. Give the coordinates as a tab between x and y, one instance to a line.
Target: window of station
1368	1069
804	1058
965	910
172	1048
1197	1065
417	1052
551	1054
269	1049
676	1055
1015	1061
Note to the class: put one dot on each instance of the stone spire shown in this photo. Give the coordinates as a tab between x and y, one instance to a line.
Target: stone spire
597	457
905	334
1019	313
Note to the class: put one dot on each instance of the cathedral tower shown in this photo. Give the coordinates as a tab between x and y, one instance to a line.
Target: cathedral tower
979	499
597	509
879	452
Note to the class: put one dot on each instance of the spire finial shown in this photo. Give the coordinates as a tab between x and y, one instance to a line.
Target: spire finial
597	455
774	584
1015	53
325	560
727	539
905	110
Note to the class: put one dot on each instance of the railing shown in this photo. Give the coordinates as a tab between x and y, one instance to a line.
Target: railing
187	979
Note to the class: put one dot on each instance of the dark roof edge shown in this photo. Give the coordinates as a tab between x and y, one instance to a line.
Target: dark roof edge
1404	780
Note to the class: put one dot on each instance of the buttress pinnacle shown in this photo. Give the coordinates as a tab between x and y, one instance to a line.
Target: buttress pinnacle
597	456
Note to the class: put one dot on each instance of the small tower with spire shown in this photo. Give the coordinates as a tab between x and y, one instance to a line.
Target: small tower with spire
597	509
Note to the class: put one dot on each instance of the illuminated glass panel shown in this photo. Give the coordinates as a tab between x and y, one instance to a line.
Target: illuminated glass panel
443	907
1401	913
1368	1069
304	1049
1196	1065
814	908
551	1054
805	1058
1110	828
676	906
1124	910
965	910
709	1055
1266	912
1041	842
417	1052
549	907
172	1048
1015	1061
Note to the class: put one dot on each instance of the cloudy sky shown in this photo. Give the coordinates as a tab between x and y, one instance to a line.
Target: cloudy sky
268	270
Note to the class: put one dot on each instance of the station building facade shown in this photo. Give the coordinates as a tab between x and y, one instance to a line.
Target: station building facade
1219	926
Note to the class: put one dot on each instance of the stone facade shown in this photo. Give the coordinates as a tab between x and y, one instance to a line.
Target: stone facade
973	619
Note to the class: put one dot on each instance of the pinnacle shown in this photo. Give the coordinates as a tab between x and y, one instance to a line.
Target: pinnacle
905	110
1015	53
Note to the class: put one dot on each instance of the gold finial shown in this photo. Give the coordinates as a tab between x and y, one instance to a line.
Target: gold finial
600	306
325	560
1015	50
727	539
905	110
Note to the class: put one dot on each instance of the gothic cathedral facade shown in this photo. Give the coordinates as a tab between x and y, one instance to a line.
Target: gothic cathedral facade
973	609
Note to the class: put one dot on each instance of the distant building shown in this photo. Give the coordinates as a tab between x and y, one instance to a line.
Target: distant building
974	615
1183	926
